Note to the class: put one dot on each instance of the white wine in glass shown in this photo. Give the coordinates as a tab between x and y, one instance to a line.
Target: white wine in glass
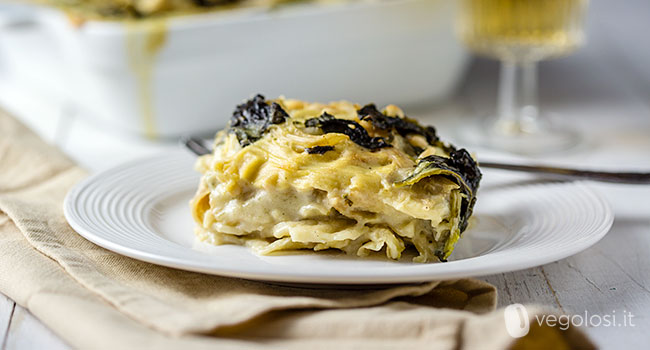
521	33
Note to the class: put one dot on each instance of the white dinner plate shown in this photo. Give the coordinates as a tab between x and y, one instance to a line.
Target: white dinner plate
141	210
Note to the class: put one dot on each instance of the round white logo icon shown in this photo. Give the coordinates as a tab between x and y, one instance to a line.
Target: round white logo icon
517	322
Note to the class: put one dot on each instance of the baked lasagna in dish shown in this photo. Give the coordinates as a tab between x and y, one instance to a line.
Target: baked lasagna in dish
142	9
289	175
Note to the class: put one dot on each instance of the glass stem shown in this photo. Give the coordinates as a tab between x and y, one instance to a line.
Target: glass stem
517	107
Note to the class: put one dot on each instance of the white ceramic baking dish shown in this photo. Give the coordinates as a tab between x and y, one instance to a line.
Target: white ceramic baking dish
184	75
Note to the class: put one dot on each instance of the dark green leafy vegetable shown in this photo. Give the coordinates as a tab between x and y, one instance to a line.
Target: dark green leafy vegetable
461	168
209	3
319	149
251	119
404	126
329	124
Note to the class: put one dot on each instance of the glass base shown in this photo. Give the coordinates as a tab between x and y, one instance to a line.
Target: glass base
527	138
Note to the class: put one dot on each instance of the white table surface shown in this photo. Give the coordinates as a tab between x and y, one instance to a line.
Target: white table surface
603	91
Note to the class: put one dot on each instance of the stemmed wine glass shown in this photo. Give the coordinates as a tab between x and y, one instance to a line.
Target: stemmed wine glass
520	33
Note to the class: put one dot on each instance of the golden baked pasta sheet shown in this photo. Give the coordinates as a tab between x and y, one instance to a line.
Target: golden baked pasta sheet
288	174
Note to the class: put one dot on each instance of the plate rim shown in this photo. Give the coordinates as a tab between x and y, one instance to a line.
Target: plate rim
71	213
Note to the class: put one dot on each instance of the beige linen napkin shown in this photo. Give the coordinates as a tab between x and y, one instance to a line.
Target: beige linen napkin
96	299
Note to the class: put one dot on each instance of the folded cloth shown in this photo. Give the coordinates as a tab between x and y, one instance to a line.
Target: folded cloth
94	298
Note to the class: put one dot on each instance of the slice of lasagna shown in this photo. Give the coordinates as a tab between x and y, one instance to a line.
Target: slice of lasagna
288	175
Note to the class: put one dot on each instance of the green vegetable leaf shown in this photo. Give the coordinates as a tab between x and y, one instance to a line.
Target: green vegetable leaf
461	168
330	124
251	119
